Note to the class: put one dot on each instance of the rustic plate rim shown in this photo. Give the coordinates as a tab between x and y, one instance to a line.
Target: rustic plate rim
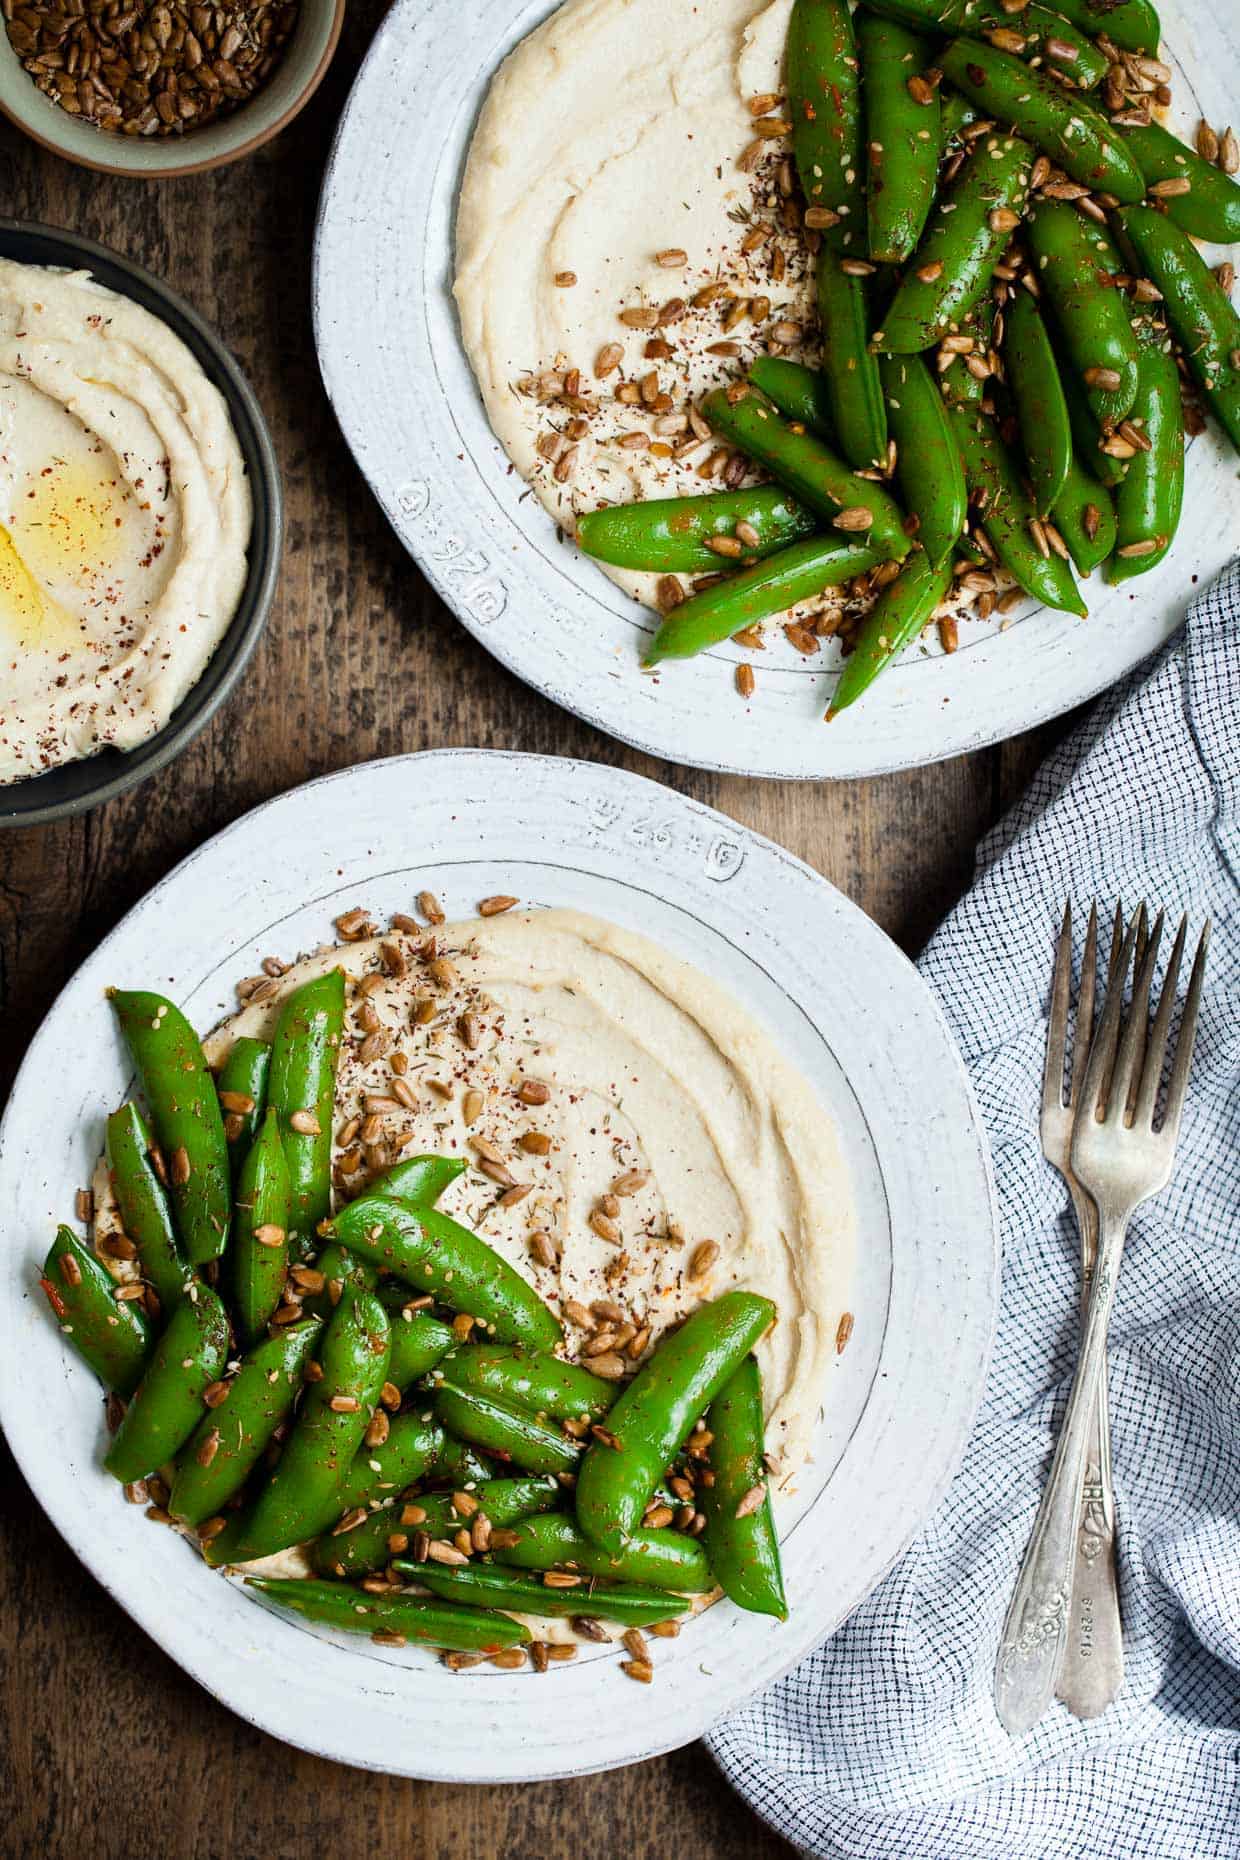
69	1509
930	709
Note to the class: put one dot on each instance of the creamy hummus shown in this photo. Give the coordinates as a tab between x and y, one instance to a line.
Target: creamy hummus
651	1072
124	520
615	133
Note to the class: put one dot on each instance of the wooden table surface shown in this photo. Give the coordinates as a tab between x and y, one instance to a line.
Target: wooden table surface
107	1748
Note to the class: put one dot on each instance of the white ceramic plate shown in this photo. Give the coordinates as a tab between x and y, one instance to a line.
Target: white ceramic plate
841	1000
397	376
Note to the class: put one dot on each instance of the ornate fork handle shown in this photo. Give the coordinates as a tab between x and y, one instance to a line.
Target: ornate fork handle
1035	1631
1093	1659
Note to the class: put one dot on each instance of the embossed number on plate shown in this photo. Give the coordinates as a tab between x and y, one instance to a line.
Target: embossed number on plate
450	557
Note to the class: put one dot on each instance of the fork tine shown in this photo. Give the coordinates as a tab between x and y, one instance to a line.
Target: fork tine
1140	1018
1117	942
1106	1038
1177	1085
1117	973
1057	1023
1156	1051
1084	1006
1132	1043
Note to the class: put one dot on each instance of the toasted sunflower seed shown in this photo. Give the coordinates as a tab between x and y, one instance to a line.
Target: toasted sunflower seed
855	517
703	1258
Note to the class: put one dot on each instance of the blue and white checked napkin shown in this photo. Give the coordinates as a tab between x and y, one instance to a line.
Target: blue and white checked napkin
884	1745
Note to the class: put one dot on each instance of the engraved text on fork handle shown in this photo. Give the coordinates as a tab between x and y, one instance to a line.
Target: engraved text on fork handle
1092	1669
1031	1644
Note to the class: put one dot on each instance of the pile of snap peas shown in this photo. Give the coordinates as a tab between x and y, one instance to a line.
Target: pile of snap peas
1008	296
380	1388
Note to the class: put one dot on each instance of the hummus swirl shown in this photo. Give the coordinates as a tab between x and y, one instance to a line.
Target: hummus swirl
616	132
124	520
652	1073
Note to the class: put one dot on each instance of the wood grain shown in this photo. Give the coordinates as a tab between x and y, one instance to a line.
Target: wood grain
107	1747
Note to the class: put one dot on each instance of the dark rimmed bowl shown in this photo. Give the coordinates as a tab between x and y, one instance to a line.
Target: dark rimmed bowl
77	786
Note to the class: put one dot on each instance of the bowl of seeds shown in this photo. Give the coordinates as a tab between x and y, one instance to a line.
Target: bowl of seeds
157	87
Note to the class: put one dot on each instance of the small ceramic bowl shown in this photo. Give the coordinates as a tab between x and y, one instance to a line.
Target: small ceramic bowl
293	82
77	786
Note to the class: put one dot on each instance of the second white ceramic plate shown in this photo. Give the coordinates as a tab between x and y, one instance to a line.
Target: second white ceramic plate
402	389
843	1003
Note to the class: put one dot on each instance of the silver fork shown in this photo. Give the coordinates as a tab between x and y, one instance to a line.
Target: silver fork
1120	1160
1092	1669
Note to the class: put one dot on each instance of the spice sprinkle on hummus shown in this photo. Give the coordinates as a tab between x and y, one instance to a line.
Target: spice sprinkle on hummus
124	520
634	1136
613	226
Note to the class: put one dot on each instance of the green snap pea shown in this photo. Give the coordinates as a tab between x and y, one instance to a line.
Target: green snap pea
815	476
796	574
420	1180
1041	410
300	1498
1071	50
1211	207
511	1434
259	1253
388	1531
799	392
654	1416
1076	265
1197	308
1131	24
524	1592
1148	502
242	1080
339	1268
167	1405
185	1116
666	1559
339	1605
895	620
142	1202
924	16
824	102
301	1088
384	1471
437	1255
533	1379
1062	123
502	1501
461	1468
848	366
669	535
419	1341
1086	432
958	384
1048	36
740	1538
963	239
956	114
1073	21
111	1335
228	1442
928	469
1007	511
903	138
1085	517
